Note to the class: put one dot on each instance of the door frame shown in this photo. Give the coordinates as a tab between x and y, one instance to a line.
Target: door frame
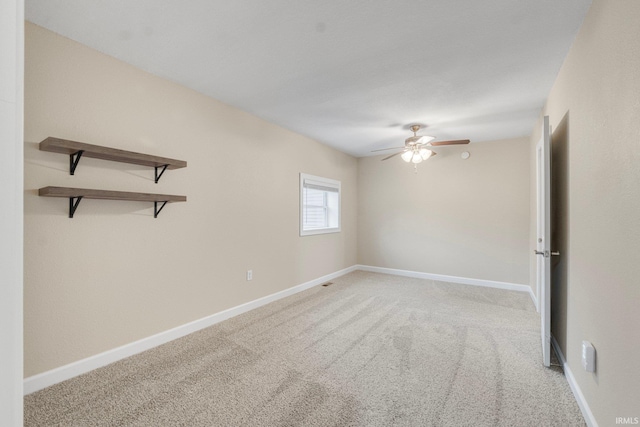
543	237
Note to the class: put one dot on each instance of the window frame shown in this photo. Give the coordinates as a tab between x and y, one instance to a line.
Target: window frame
327	182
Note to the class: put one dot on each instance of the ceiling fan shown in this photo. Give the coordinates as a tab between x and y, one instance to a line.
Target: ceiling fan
415	147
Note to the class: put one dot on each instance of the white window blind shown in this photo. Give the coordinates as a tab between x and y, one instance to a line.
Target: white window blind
319	205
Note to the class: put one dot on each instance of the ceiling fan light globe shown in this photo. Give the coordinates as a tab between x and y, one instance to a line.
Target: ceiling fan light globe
406	156
417	158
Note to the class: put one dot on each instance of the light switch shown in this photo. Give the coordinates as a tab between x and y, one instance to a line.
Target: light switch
588	356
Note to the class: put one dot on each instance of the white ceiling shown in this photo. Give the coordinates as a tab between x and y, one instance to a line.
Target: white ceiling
351	74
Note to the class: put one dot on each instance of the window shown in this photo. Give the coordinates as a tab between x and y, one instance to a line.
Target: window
319	205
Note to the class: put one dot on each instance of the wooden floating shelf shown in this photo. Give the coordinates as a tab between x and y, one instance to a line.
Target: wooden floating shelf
76	150
76	194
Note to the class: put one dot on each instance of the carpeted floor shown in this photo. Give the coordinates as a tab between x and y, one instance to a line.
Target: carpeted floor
369	350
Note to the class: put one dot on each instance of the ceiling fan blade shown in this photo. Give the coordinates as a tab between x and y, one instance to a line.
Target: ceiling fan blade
425	139
453	142
384	149
393	155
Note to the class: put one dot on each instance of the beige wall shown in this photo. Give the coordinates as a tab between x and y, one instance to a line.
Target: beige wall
594	108
114	274
466	218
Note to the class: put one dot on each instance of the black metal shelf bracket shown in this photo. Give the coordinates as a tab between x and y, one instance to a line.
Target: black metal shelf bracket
73	161
156	211
73	205
164	168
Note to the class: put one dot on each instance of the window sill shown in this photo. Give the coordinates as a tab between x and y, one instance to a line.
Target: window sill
319	231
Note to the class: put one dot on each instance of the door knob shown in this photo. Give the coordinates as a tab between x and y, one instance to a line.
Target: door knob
555	253
538	252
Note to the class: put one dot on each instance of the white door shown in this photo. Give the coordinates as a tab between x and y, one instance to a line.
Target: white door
543	249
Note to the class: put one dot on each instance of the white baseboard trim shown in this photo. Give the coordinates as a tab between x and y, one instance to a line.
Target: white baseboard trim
54	376
575	389
452	279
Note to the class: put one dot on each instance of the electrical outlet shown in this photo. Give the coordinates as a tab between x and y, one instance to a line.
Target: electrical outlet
249	274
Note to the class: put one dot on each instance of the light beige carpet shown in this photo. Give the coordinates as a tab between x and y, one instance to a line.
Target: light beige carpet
369	350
